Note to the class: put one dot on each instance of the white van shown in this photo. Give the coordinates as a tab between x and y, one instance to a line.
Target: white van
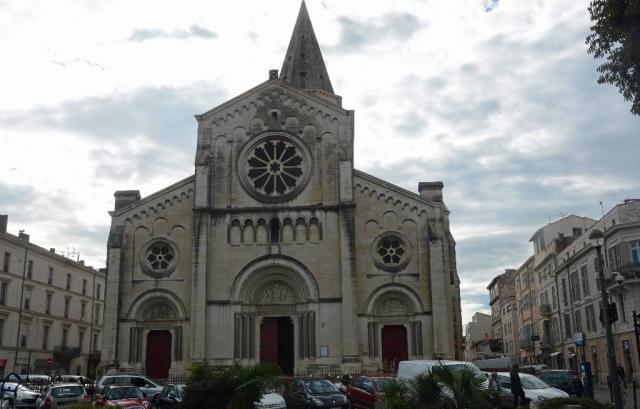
410	369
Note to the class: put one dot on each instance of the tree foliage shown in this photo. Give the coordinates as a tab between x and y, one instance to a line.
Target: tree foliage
234	387
441	388
615	37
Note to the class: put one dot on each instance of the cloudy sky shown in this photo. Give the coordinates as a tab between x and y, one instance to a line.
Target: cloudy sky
497	98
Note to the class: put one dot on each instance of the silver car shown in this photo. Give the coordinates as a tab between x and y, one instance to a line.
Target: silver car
149	386
23	397
60	395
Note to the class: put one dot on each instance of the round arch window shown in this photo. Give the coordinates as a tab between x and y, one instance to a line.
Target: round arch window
159	258
391	251
274	167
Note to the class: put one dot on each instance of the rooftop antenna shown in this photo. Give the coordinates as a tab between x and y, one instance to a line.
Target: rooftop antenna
602	208
72	253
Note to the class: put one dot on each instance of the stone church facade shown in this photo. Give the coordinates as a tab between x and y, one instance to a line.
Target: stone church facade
276	249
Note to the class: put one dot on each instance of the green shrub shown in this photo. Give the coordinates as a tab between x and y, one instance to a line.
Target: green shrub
586	403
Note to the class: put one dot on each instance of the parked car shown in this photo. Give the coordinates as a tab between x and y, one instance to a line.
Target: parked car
560	378
271	400
364	392
410	369
19	395
62	394
124	396
83	380
310	393
169	397
147	385
35	378
534	389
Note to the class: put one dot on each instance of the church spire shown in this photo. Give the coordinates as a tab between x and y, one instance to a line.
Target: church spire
303	65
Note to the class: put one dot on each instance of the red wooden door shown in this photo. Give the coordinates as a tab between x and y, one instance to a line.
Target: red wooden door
269	340
158	354
394	346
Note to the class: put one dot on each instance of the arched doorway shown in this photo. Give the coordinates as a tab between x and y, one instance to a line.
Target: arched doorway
394	346
158	360
276	343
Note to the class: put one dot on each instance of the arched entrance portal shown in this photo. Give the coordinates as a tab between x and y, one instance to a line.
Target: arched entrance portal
158	360
394	346
276	343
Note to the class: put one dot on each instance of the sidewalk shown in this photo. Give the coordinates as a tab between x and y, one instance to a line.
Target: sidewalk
601	393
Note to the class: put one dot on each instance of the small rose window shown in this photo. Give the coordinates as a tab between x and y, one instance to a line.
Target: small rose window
391	252
159	258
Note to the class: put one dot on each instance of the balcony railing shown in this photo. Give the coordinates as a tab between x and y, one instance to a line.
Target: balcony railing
65	352
545	309
629	272
526	343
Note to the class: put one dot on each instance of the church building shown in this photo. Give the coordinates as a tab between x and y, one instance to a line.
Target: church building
276	249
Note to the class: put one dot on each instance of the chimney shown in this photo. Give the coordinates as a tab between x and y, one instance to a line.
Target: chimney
125	198
52	250
4	220
431	190
23	236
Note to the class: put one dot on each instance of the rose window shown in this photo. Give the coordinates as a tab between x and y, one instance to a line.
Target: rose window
160	256
275	167
391	251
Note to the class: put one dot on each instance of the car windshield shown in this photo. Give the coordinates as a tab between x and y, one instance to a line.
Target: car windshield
381	382
12	387
531	382
318	386
124	393
154	382
67	391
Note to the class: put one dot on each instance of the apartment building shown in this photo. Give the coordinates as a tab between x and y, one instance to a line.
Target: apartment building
580	304
504	320
478	337
51	309
526	289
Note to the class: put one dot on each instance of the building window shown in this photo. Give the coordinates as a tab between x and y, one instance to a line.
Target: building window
47	306
7	262
67	301
591	318
577	320
27	299
84	287
621	311
554	297
68	281
577	231
65	333
30	269
97	317
45	337
23	340
574	283
95	343
1	331
3	292
585	281
50	276
98	291
83	309
80	340
567	326
564	292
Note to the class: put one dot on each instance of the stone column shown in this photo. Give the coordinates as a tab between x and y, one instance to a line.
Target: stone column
199	285
439	299
110	334
350	338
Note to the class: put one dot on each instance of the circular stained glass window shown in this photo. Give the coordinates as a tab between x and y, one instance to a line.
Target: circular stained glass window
391	252
159	258
274	167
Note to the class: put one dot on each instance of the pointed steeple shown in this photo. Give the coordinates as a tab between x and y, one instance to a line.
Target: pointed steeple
303	65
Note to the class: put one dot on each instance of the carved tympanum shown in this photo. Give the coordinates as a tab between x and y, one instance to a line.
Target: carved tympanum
276	293
392	306
158	311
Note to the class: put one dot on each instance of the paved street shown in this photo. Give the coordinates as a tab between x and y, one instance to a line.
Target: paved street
602	394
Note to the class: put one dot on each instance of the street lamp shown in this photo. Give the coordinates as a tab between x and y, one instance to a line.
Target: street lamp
596	237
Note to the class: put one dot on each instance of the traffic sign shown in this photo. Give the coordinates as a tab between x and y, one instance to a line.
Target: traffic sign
49	362
578	338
